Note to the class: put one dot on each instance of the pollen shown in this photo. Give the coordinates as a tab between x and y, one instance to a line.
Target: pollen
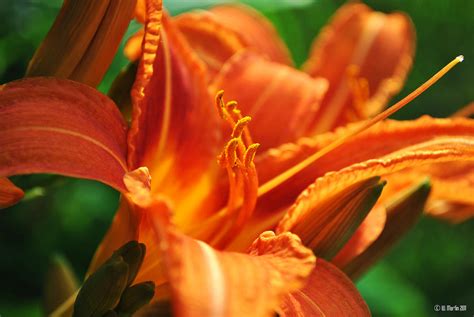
249	155
240	126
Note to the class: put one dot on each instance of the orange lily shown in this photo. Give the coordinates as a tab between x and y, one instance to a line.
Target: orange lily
187	218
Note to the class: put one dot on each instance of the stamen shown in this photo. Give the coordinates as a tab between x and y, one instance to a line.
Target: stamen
249	155
240	126
231	105
231	152
278	180
220	104
237	158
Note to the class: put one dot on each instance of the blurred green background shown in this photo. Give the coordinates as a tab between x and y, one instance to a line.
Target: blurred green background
434	264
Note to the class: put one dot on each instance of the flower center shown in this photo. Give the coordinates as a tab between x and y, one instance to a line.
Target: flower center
237	159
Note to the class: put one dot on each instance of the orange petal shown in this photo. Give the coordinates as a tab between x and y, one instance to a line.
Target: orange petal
9	193
442	150
388	147
59	126
453	188
391	145
378	47
365	235
274	95
258	33
207	282
133	221
449	211
402	214
174	122
325	224
213	40
328	292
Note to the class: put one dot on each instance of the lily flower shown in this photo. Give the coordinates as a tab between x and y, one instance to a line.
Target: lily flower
187	169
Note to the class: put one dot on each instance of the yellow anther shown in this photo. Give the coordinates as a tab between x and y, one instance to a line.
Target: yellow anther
231	151
240	126
231	105
249	155
220	104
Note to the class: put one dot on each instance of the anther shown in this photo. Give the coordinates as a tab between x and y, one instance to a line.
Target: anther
249	155
220	103
231	105
240	126
231	151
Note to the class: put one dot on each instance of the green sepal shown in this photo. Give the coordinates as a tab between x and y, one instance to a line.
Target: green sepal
111	313
133	254
135	297
101	292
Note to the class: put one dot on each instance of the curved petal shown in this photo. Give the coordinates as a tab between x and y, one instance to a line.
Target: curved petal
258	33
442	150
453	188
386	138
328	292
389	147
9	193
449	211
213	41
207	282
174	123
375	48
60	126
274	95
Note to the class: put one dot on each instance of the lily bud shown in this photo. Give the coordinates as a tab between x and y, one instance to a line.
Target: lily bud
83	40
